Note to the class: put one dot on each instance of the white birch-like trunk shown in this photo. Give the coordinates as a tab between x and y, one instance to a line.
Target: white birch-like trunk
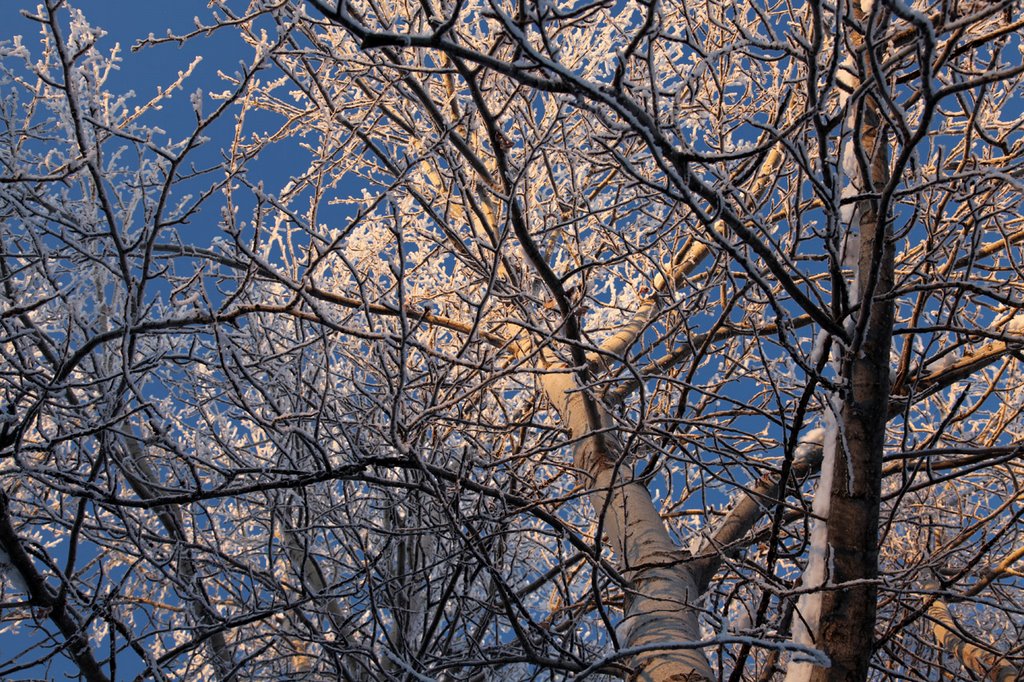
662	607
980	662
847	613
815	576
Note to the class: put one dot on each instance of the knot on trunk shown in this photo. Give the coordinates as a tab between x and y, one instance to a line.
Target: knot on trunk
656	560
599	451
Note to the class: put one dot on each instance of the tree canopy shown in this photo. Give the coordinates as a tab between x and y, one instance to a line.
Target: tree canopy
547	339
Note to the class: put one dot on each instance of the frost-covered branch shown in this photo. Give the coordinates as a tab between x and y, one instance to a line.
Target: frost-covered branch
54	604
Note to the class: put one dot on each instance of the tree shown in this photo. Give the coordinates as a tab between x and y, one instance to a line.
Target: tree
510	341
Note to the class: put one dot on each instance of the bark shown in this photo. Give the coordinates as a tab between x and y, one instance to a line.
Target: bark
848	612
308	571
728	537
981	662
848	605
661	607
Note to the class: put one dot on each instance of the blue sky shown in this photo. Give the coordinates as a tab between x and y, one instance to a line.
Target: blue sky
142	72
127	21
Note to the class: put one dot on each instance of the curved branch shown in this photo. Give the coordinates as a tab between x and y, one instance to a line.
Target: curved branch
55	605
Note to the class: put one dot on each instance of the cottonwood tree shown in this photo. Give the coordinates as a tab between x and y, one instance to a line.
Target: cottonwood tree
476	340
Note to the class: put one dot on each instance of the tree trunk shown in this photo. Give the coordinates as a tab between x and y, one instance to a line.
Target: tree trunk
984	664
142	478
848	604
661	607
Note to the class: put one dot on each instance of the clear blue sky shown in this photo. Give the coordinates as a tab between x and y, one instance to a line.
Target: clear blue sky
127	21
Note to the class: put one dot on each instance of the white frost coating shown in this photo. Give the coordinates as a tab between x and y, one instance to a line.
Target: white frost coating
1016	324
815	575
819	348
850	178
940	365
815	438
408	669
197	102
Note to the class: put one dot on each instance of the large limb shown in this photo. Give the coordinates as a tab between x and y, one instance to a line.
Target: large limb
309	572
980	662
661	607
751	505
684	262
